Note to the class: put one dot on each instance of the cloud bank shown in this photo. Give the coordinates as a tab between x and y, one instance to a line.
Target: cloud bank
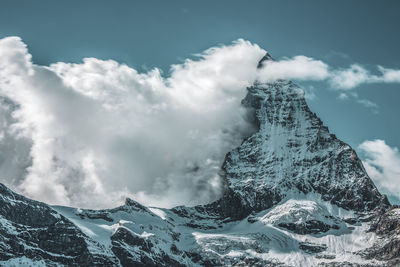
382	163
95	132
92	133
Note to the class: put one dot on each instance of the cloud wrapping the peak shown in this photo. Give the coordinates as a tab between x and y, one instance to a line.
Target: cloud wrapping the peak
298	68
100	130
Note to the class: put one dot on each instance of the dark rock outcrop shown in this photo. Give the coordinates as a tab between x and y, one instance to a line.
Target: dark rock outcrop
387	227
34	230
308	227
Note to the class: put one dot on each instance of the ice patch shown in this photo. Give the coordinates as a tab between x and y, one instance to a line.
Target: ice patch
159	213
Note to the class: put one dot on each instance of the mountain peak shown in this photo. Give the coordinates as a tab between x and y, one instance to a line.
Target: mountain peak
293	152
134	204
266	57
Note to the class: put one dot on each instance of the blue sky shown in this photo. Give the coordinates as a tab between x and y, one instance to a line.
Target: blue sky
148	34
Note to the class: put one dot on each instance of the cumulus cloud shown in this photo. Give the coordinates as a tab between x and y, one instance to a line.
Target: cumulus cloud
382	163
98	131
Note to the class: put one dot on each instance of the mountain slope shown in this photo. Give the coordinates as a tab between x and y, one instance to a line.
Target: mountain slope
294	195
33	230
303	230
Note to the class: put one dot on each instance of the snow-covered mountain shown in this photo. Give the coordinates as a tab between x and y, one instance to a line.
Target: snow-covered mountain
295	195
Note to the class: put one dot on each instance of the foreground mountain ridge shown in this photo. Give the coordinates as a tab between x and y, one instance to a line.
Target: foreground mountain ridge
295	195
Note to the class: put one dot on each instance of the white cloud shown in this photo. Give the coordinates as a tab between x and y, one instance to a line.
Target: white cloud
101	130
356	75
349	78
18	60
298	68
382	163
389	75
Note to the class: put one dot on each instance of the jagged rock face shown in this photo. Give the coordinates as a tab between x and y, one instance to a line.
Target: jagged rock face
292	151
388	223
387	227
133	250
34	230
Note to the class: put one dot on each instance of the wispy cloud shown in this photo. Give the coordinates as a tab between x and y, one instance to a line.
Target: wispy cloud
304	68
353	96
349	78
343	80
388	75
367	103
357	75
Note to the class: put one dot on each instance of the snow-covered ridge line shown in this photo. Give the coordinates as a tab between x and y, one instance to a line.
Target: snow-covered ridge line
128	235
